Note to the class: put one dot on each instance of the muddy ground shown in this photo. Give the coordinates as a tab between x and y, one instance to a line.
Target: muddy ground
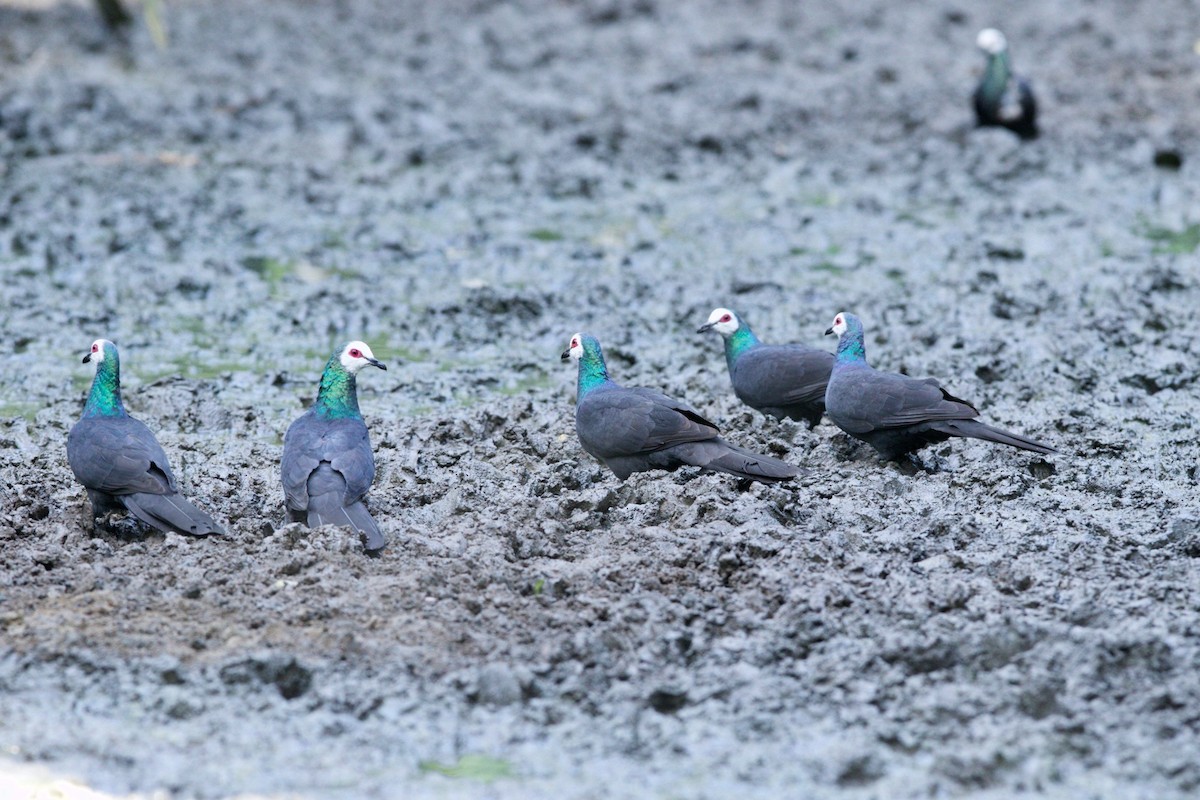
464	185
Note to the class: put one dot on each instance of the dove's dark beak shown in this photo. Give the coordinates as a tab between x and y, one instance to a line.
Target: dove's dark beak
705	327
566	355
375	362
87	358
829	331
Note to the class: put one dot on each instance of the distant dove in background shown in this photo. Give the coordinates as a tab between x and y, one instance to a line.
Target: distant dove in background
1002	97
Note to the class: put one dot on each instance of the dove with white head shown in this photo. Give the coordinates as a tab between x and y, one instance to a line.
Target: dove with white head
631	429
120	462
897	414
327	465
784	381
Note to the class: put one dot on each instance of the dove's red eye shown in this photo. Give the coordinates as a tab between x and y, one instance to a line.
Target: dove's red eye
726	318
355	353
95	348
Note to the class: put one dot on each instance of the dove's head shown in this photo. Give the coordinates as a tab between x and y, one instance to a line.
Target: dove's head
101	350
849	331
991	41
574	351
585	349
845	323
356	355
721	320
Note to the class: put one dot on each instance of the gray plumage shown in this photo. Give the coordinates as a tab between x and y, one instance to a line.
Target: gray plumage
120	463
897	414
1003	98
782	381
327	465
634	429
327	469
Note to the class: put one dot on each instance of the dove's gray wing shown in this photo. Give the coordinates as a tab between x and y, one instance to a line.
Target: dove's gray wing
634	429
783	380
616	421
342	443
897	414
118	460
300	459
355	462
118	455
327	468
867	401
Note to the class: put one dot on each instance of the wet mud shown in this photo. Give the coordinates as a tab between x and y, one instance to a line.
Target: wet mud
465	185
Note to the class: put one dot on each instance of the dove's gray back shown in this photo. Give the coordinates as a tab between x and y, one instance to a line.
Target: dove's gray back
327	469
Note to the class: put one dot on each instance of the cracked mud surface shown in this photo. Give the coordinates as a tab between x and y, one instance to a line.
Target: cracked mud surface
465	187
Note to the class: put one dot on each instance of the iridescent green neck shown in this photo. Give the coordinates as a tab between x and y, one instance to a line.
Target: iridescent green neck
850	346
851	349
592	372
739	342
105	398
995	78
338	396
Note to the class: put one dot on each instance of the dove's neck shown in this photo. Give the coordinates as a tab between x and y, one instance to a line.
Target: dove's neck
105	398
850	350
995	78
739	342
338	396
592	374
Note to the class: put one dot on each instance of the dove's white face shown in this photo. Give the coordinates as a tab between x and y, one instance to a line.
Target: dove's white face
723	321
357	355
991	41
839	323
96	354
575	349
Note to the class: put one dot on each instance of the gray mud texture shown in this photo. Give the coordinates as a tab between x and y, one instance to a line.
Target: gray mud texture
465	185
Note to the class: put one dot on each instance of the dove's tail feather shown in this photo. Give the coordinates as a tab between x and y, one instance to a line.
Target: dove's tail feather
720	456
170	512
327	509
973	429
